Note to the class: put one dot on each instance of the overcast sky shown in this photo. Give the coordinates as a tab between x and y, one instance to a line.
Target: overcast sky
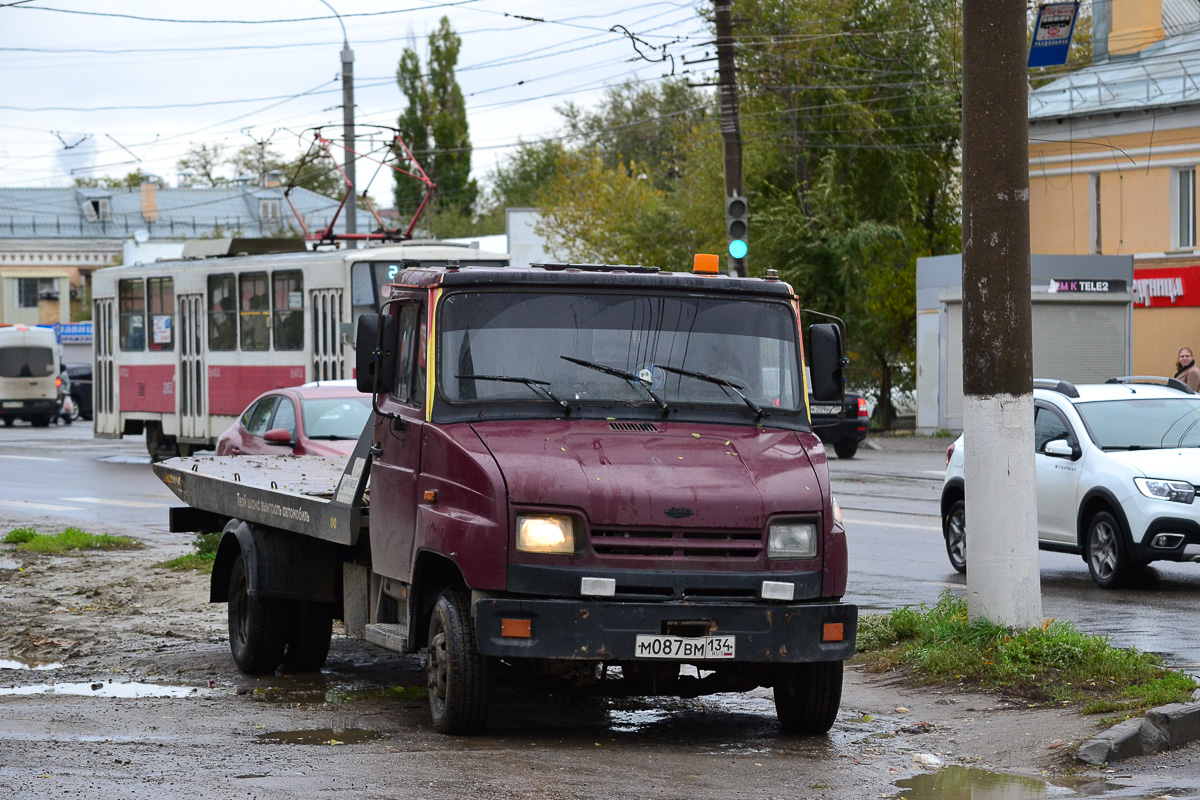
90	90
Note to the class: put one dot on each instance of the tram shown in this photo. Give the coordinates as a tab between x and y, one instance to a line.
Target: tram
182	347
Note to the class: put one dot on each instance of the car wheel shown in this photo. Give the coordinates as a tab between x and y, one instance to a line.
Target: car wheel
8	421
75	412
456	674
807	696
845	448
954	528
1107	557
42	421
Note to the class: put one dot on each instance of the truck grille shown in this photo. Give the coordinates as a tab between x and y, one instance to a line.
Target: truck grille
705	544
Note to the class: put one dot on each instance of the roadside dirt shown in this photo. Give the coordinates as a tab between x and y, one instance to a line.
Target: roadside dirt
111	618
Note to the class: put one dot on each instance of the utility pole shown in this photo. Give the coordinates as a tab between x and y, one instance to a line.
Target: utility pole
1003	574
736	209
348	135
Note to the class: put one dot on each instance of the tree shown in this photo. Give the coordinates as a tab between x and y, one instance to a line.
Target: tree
131	181
318	175
434	125
204	161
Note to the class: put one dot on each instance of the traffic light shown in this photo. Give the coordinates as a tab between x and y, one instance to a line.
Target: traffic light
736	229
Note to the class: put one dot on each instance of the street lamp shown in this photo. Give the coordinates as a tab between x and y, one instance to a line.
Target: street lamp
348	124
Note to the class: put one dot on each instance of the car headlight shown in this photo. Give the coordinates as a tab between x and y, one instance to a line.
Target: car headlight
545	533
1175	491
792	539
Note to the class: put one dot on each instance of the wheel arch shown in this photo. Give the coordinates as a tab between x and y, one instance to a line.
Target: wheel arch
279	564
952	492
1099	499
433	574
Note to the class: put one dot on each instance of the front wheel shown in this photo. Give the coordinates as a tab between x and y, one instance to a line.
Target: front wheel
1107	558
807	696
845	448
457	675
954	528
257	625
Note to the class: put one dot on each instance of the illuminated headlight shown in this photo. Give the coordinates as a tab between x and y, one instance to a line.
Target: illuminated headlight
1175	491
546	533
791	539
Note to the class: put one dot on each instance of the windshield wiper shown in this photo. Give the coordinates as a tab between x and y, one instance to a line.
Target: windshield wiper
620	373
759	411
537	386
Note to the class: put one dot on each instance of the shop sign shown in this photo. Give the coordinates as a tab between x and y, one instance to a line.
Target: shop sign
1085	285
1165	288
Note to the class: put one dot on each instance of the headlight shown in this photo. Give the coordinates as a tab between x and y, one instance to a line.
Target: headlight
546	533
791	539
1175	491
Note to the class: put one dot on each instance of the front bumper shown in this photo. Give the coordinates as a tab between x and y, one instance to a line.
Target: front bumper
607	631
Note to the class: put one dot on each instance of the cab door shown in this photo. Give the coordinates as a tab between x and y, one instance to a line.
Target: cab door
1057	477
398	434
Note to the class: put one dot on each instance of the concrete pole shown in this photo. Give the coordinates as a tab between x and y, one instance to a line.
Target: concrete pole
1003	574
731	134
348	128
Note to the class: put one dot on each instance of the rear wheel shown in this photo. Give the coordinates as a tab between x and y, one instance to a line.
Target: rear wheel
309	631
807	696
42	421
1107	557
8	421
257	625
954	528
845	448
457	675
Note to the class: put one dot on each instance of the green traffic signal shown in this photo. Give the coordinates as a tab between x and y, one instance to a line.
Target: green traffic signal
738	248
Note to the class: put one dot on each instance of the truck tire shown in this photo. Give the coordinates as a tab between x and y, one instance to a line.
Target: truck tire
807	696
954	528
257	625
457	675
845	448
309	631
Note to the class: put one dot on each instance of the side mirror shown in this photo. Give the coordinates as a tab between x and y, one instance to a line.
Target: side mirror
827	358
375	352
278	436
1061	448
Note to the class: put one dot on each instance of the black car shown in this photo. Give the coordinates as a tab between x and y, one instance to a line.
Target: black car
844	434
81	388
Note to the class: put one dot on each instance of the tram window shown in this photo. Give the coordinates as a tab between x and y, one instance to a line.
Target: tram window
288	295
222	313
160	297
254	311
133	314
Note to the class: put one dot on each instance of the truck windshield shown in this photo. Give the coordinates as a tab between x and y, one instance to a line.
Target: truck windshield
750	343
26	362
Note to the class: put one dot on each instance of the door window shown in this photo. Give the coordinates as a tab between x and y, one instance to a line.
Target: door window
255	311
288	296
285	417
1048	426
405	350
255	420
133	314
160	297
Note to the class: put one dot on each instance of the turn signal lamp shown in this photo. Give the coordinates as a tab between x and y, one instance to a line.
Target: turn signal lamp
706	264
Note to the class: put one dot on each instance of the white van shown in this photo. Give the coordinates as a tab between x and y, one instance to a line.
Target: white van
29	374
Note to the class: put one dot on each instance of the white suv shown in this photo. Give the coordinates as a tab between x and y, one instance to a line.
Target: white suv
1117	468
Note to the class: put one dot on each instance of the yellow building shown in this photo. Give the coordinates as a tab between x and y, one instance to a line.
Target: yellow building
1113	151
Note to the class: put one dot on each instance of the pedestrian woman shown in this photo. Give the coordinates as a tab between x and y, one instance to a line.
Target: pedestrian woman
1186	369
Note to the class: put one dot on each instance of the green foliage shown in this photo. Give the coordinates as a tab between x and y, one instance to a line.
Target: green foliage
133	180
202	557
316	173
434	125
204	161
1054	663
70	539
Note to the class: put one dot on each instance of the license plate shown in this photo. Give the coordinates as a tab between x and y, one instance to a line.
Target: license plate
13	404
684	648
824	409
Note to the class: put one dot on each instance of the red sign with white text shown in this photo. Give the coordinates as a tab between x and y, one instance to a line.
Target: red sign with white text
1166	288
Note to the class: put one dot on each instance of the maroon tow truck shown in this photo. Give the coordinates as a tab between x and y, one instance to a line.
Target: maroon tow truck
596	477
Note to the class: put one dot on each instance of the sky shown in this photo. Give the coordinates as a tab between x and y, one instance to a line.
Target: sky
91	90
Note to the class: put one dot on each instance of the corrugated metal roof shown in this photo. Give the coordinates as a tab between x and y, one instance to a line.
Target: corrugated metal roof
36	213
1166	73
1179	16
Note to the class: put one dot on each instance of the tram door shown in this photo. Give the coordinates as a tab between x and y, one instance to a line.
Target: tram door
106	419
326	308
193	422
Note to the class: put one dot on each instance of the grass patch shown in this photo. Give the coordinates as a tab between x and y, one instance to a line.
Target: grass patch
204	553
69	540
1054	664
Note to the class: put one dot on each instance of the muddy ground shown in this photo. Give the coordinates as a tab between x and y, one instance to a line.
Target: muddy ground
360	728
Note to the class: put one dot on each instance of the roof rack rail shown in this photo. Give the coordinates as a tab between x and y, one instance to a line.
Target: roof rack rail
1170	383
597	267
1062	387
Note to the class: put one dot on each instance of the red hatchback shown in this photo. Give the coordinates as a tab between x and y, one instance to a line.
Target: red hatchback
319	419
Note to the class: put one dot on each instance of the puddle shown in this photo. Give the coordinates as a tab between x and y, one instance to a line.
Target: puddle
969	783
125	459
8	563
7	664
389	692
329	736
635	721
123	690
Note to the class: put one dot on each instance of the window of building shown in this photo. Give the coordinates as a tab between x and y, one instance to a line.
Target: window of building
268	211
1185	209
254	311
160	300
97	209
222	312
288	306
31	290
132	300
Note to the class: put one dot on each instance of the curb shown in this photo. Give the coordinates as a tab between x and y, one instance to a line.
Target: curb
1163	728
